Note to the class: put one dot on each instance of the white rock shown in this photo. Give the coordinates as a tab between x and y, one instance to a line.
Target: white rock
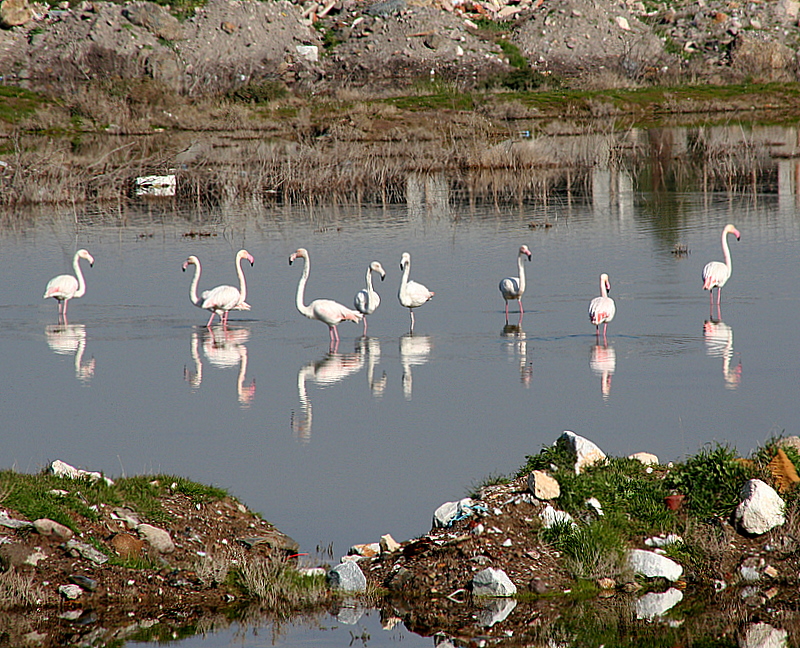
664	541
369	550
308	52
159	539
761	508
347	576
70	592
34	558
653	565
47	527
645	457
449	511
763	635
594	504
312	571
496	611
551	516
586	452
62	469
492	582
388	544
656	604
543	486
622	23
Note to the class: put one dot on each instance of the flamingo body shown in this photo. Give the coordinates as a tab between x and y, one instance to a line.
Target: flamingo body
514	287
602	309
411	294
325	310
222	299
717	273
367	300
65	287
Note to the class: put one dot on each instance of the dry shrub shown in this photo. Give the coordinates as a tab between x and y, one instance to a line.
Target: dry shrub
18	590
710	548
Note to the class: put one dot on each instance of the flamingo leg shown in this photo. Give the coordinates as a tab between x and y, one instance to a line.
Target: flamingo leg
210	319
506	311
365	326
411	311
520	306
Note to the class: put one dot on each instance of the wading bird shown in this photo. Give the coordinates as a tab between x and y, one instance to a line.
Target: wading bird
602	309
514	287
411	293
715	273
64	287
222	299
324	310
367	301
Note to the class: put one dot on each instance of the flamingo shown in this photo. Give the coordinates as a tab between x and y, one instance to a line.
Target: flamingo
716	273
367	301
324	310
64	287
514	287
411	293
222	299
602	308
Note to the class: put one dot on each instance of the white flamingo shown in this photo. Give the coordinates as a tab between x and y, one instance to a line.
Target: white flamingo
715	273
65	287
602	309
367	301
324	310
222	299
514	287
411	293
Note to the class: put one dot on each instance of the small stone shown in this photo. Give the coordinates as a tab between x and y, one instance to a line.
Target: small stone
347	576
606	583
543	486
34	558
159	539
653	565
537	586
85	550
228	27
70	592
83	581
47	527
761	508
388	544
586	453
366	550
623	23
492	582
646	458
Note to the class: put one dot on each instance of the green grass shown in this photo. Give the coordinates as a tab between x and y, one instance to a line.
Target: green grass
16	104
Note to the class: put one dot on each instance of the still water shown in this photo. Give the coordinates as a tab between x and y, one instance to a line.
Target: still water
342	448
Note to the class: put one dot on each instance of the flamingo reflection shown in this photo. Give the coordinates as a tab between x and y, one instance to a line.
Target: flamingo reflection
414	351
518	345
603	362
223	348
70	339
718	337
371	347
333	368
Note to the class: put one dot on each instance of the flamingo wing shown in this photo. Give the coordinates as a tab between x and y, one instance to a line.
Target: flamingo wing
61	287
366	302
222	298
602	310
416	294
510	288
332	312
715	274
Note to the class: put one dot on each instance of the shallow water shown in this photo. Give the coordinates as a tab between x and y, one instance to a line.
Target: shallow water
340	449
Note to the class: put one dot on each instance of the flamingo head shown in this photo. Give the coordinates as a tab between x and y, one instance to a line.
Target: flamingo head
730	229
524	250
375	266
604	282
192	260
83	254
405	260
244	254
301	252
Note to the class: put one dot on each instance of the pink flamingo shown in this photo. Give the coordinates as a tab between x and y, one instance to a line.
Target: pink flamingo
222	299
367	300
324	310
715	274
514	287
411	293
602	309
64	287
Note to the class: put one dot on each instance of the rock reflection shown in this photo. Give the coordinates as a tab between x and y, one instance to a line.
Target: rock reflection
603	362
518	346
414	351
223	348
718	337
333	368
70	339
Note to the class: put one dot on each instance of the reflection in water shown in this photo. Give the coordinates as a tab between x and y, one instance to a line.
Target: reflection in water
603	362
414	351
223	348
372	348
518	345
718	337
333	368
65	339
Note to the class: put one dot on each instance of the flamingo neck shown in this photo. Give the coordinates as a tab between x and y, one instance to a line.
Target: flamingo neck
369	280
193	287
726	252
301	289
521	266
242	283
81	283
603	289
404	280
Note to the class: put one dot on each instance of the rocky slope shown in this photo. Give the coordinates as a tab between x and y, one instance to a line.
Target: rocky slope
392	45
